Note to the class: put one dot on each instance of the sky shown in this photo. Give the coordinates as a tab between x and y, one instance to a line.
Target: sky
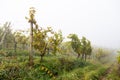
97	20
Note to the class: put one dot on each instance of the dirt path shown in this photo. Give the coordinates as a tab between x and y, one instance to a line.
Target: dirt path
108	71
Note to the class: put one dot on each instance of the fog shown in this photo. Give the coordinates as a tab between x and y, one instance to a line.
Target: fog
97	20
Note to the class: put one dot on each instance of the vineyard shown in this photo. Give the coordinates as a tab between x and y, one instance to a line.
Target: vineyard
43	54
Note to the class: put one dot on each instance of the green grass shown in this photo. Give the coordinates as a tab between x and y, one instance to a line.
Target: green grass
114	74
57	67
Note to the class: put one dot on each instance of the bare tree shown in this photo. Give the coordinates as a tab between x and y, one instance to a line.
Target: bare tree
6	28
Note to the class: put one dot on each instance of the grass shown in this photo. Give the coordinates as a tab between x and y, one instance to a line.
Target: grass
114	74
57	67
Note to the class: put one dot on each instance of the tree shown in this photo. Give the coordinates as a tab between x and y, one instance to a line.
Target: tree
43	42
66	48
81	47
89	48
6	28
9	40
17	39
75	43
40	41
55	41
99	54
85	48
21	39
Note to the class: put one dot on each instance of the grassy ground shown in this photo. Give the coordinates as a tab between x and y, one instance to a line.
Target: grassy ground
52	68
114	73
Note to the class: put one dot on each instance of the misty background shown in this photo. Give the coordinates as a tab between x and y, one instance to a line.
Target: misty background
97	20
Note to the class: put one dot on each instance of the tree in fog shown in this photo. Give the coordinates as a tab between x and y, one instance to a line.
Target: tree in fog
20	39
76	44
81	46
40	42
55	41
5	31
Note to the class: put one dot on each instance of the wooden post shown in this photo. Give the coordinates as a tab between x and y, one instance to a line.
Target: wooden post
31	47
31	21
